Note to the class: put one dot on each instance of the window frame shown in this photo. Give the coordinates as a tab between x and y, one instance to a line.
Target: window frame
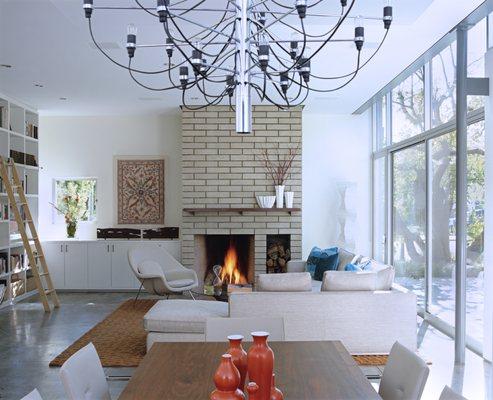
56	218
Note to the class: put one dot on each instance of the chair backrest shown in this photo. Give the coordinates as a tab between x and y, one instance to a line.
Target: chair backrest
138	254
83	376
34	395
404	376
449	394
218	329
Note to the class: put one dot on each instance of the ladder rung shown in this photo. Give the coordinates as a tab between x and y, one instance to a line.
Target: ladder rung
49	291
43	274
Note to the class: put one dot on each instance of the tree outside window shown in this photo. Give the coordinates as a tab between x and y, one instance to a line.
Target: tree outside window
83	189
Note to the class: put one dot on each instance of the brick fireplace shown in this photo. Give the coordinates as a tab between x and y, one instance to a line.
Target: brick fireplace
221	169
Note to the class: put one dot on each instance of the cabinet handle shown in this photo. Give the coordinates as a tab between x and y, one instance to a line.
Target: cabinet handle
61	248
113	248
66	248
108	248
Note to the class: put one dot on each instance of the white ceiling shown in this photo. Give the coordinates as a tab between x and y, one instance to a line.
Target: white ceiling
47	42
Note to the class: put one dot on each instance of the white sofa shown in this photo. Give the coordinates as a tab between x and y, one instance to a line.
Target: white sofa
367	322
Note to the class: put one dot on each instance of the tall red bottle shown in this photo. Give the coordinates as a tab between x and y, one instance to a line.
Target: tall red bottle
239	357
261	364
275	393
227	379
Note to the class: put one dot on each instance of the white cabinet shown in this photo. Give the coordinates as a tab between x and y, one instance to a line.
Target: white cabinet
98	264
55	259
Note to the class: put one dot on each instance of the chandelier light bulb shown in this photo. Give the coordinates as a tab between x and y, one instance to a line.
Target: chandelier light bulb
387	14
305	68
162	10
262	19
263	52
359	32
293	51
131	40
88	6
343	3
183	77
169	46
301	8
284	81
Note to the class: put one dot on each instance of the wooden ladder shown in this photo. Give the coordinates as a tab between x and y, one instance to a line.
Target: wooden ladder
36	257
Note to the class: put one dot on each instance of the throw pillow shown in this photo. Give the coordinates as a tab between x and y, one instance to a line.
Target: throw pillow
345	258
287	282
352	267
349	281
320	261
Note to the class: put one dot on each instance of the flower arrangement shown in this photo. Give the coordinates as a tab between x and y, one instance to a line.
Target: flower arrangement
70	206
278	165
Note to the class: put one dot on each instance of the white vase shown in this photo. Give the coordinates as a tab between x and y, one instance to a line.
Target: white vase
280	196
289	197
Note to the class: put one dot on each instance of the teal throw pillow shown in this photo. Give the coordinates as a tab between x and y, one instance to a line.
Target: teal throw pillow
321	260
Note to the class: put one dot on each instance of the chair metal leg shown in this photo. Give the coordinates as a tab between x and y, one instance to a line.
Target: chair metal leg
191	294
167	296
138	293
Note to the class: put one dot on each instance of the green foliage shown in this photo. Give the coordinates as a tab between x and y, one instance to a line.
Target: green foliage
76	199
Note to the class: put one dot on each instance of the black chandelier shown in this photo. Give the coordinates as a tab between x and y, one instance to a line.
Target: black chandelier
241	52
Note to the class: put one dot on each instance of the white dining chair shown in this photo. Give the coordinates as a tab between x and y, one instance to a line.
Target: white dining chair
83	376
34	395
449	394
404	376
218	329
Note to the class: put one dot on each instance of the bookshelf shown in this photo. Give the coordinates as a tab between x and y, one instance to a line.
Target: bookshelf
18	140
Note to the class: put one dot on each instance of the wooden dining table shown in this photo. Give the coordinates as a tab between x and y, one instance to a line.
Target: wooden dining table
304	371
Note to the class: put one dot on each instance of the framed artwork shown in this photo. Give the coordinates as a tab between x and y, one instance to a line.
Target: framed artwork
140	190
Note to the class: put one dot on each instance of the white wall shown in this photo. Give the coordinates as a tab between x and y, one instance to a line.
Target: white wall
336	148
85	147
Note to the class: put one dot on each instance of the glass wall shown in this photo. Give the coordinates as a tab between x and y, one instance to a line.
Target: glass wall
409	218
414	184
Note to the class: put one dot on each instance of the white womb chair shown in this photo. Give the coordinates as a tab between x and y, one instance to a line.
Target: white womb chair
83	376
404	376
160	273
449	394
34	395
218	329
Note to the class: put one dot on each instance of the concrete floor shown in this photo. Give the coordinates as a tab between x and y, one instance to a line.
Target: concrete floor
30	339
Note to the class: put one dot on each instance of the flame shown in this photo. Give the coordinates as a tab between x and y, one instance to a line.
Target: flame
230	272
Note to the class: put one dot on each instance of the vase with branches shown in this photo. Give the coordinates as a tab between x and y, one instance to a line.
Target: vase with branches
277	165
71	207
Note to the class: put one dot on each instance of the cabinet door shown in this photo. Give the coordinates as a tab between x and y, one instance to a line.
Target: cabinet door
122	276
75	265
99	265
54	254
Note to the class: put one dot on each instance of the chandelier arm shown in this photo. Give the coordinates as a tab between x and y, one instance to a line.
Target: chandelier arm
362	66
122	65
145	9
295	63
334	32
172	16
198	107
223	19
257	89
231	108
265	27
283	6
145	86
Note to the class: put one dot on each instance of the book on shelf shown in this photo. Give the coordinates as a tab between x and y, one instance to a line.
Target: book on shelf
3	116
3	266
31	130
23	158
3	290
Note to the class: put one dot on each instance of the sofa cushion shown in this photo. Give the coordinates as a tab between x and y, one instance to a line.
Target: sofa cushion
345	257
287	282
183	316
150	267
348	281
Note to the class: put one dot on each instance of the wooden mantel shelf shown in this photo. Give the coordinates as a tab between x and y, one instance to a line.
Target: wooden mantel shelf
241	210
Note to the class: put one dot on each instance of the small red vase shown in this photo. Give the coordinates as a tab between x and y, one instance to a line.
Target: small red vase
275	393
252	389
239	357
261	364
227	379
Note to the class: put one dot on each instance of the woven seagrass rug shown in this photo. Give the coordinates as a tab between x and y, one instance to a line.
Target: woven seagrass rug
120	339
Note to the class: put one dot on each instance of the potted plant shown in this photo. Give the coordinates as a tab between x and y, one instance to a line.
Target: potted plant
71	208
278	166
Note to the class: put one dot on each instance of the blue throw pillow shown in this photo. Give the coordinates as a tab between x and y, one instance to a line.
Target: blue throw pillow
352	267
365	265
320	261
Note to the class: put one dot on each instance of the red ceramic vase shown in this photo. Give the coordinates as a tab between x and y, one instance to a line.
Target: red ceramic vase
227	379
239	357
275	393
261	364
252	389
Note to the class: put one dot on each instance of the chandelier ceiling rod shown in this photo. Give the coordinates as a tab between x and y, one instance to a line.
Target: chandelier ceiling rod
250	51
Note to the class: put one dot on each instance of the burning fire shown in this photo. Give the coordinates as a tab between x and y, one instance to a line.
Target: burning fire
230	272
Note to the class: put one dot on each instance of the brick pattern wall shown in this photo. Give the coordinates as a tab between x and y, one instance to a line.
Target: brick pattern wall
221	169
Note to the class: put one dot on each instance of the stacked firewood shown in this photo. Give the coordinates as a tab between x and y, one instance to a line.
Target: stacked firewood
278	256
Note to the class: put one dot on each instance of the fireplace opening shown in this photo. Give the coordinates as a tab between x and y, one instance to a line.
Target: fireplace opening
278	253
228	258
